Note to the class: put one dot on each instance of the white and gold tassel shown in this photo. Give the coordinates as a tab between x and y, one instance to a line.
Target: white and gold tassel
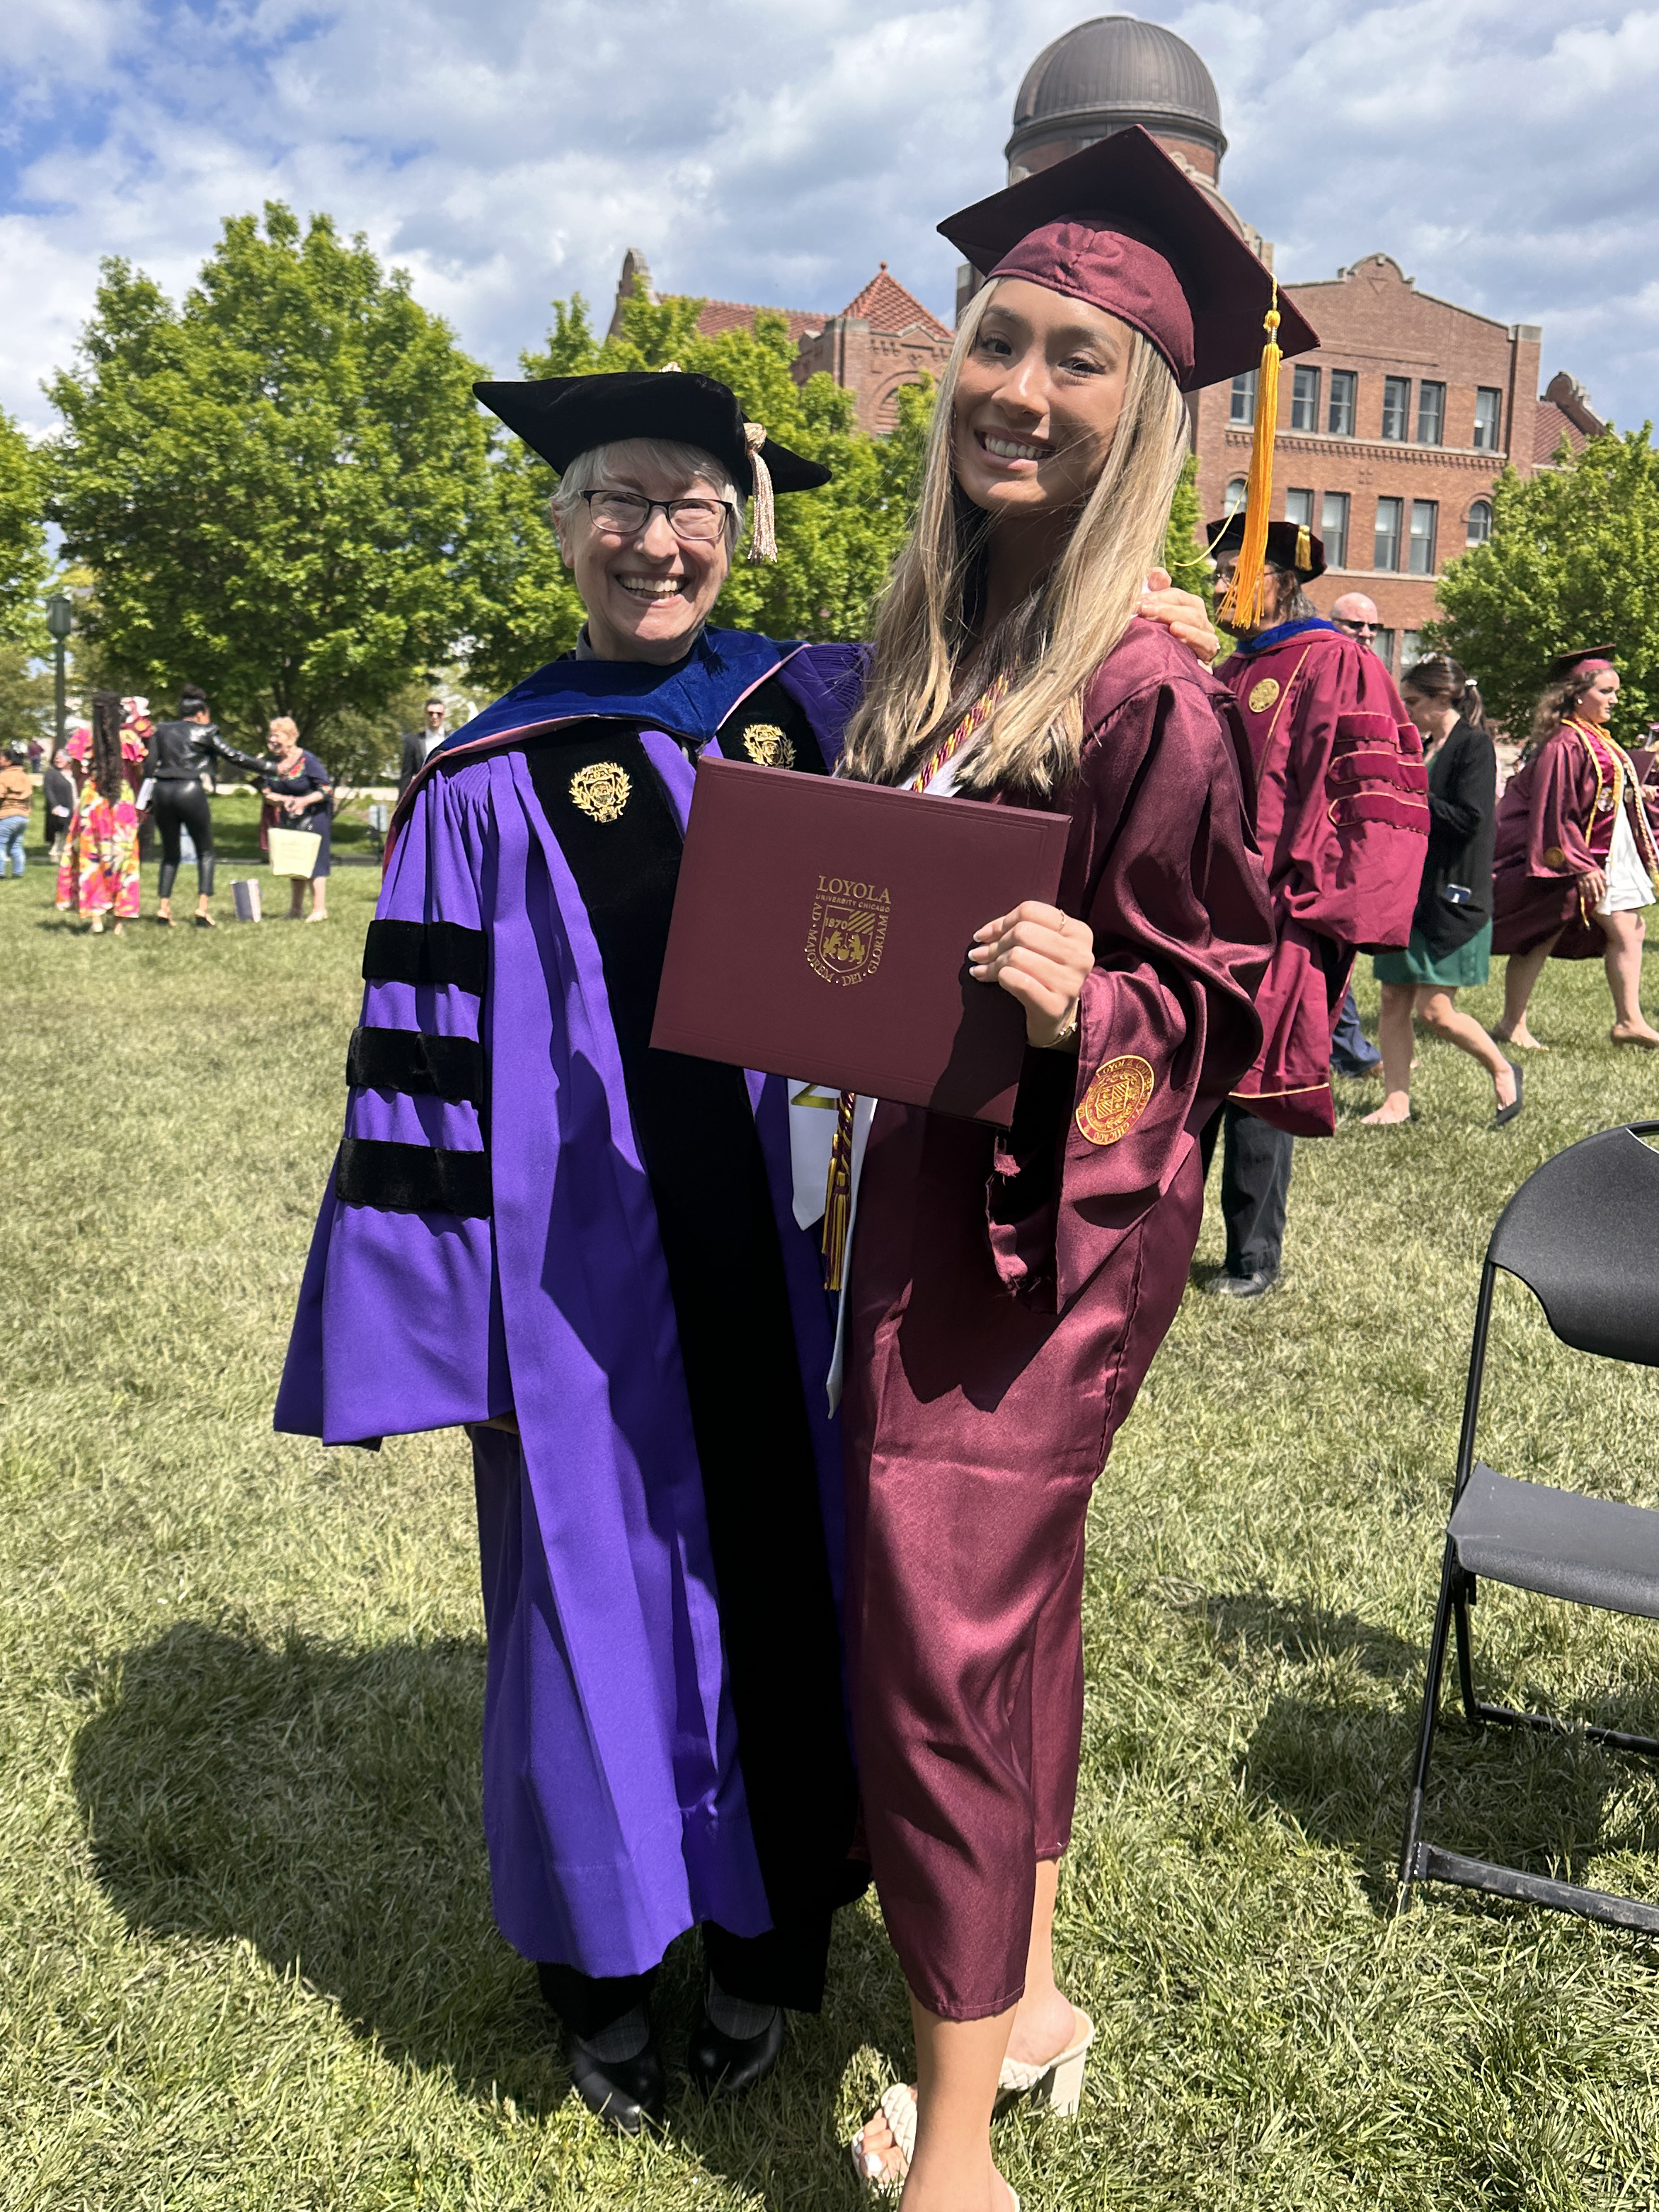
763	526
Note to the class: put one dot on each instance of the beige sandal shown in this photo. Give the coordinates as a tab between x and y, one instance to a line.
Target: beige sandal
898	2109
1058	2082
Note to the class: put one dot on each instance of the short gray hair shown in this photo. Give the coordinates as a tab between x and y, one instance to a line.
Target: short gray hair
680	463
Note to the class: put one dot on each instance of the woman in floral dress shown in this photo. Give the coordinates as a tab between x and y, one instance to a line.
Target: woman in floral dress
99	870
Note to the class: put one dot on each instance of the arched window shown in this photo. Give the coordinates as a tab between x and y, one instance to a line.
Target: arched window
1234	498
1479	522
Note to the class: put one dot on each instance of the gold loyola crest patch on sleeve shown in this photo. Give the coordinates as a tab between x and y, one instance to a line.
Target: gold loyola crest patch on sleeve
849	928
1119	1093
768	746
1263	694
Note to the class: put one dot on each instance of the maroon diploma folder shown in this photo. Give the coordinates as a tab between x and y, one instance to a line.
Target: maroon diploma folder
821	930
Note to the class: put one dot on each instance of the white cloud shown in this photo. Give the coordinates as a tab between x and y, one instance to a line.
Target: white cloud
506	153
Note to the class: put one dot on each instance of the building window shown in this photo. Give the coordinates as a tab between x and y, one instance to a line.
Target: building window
1431	414
1479	522
1426	516
1304	400
1396	407
1234	498
1488	418
1298	509
1383	647
1243	406
1333	528
1410	650
1344	385
1385	553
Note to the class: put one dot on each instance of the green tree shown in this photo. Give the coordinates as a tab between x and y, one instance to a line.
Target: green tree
834	546
1184	556
1573	559
22	537
273	482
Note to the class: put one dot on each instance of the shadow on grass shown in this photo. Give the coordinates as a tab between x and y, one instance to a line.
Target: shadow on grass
322	1804
1337	1757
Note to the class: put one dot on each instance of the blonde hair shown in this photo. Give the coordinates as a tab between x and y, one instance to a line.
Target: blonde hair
1048	649
284	725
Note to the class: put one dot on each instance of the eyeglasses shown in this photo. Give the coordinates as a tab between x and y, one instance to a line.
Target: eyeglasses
1356	628
627	514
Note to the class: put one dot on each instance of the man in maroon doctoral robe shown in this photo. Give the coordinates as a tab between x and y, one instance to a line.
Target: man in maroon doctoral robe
1342	819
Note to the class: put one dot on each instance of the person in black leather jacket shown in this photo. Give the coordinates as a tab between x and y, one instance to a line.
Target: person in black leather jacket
180	754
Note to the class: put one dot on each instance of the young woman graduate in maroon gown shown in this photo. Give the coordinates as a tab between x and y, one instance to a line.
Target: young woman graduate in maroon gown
1576	859
1006	1294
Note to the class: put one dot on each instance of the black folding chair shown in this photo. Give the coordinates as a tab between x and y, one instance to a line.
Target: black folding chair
1582	1234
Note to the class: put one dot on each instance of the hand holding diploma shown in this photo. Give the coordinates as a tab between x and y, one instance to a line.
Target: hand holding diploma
1040	957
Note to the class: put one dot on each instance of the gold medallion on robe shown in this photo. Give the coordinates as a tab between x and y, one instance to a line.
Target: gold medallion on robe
1263	694
1119	1093
768	746
601	789
1555	858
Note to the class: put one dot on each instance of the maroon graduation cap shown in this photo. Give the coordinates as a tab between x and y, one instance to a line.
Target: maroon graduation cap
1124	228
1584	659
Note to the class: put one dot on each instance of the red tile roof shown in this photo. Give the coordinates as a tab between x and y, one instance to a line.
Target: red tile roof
720	316
1549	426
886	305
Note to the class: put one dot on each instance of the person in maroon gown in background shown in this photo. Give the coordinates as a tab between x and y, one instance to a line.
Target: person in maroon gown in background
1007	1290
1576	857
1342	818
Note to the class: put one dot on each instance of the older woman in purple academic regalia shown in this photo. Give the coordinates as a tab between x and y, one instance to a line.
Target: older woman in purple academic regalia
586	1252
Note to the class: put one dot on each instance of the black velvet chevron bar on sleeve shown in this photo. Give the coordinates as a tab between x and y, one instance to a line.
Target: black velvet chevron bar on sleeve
426	952
418	1062
412	1179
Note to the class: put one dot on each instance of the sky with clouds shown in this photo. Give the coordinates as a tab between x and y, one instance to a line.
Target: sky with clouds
506	151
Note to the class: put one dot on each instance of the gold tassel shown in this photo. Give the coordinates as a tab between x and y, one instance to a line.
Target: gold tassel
1242	602
838	1196
763	532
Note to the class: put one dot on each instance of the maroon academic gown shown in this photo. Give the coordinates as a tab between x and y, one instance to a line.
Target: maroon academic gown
1342	818
1006	1294
1554	824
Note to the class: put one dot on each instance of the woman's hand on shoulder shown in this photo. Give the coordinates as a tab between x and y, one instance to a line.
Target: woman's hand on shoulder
1040	957
1183	614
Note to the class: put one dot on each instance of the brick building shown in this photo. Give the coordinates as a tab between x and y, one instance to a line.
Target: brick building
884	337
1391	434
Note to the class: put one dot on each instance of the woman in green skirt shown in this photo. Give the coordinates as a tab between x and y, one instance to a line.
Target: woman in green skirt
1451	927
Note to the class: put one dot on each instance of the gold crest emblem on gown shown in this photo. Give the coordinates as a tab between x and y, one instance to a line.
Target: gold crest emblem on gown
849	928
601	789
768	746
1119	1093
1262	694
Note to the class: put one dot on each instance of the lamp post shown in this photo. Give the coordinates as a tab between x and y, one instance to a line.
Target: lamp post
60	621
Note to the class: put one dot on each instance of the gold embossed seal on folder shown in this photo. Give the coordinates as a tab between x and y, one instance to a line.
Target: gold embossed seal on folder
849	928
1119	1093
601	789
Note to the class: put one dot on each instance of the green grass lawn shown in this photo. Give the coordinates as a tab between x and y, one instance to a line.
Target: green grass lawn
247	1959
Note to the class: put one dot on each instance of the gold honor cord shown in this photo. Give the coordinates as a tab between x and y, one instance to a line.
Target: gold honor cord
838	1186
1241	605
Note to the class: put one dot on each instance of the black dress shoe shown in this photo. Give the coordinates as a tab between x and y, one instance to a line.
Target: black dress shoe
627	2091
1224	1285
725	2065
1506	1114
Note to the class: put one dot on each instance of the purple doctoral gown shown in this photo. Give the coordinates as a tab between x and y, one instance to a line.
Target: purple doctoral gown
493	1240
